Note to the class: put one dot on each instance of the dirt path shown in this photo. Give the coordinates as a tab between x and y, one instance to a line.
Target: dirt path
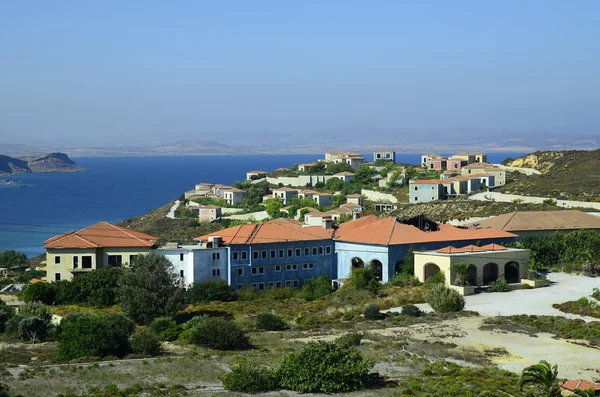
171	213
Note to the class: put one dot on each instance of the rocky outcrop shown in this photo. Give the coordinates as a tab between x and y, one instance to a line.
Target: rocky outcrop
52	162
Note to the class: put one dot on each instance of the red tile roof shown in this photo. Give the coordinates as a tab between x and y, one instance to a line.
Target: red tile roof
571	385
390	231
256	172
101	234
471	248
345	173
430	182
279	230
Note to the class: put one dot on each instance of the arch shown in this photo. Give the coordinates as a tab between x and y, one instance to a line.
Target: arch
357	262
430	270
376	267
490	273
472	275
512	272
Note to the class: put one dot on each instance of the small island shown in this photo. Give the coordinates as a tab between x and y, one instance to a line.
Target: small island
51	162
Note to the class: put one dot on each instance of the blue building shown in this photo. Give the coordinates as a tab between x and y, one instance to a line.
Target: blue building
429	190
385	155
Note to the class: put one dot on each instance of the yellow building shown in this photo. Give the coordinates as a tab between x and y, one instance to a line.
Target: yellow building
486	264
488	169
96	246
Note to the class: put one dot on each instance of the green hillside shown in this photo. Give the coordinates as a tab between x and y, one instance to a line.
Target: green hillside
568	175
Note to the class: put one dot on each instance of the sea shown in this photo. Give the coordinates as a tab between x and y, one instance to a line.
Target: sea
35	207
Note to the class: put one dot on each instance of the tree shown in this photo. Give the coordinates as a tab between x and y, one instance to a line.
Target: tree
6	313
461	274
34	322
542	376
150	288
39	292
591	392
145	342
334	184
217	333
273	207
12	259
210	291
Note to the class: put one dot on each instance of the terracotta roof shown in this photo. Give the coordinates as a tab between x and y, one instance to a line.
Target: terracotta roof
541	220
430	182
431	155
581	384
354	196
285	189
482	166
236	190
206	207
345	173
256	172
389	231
384	150
101	234
282	169
279	230
306	165
308	191
480	175
471	248
321	194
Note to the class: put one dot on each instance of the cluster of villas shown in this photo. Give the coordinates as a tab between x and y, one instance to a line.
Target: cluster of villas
432	161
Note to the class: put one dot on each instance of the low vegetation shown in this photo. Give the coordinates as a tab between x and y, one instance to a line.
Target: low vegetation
444	300
499	285
582	306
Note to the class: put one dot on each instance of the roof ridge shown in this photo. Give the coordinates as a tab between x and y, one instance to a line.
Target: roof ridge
86	240
253	234
393	229
509	219
124	230
299	229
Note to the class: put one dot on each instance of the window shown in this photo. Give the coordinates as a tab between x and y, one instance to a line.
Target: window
278	283
278	268
216	272
253	270
416	188
132	259
235	256
216	255
273	254
57	260
305	266
86	261
253	285
432	188
75	262
261	270
240	286
320	250
416	199
271	284
290	252
288	283
181	257
115	260
261	286
281	253
263	254
296	283
314	251
240	271
288	267
181	273
328	250
255	255
56	276
294	267
297	252
306	251
244	255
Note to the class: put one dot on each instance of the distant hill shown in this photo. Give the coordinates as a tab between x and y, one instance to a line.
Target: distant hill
52	162
568	175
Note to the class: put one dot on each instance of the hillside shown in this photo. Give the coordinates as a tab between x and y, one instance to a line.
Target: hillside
52	162
568	175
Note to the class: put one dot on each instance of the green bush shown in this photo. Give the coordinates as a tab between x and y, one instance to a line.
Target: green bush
33	329
582	306
11	327
216	333
166	328
350	339
145	342
411	310
4	390
326	368
270	322
596	294
247	377
97	288
39	292
444	300
499	285
438	278
372	312
316	287
405	280
6	313
210	291
92	335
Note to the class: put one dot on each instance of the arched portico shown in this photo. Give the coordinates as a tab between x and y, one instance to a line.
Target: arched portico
357	262
430	270
512	272
490	273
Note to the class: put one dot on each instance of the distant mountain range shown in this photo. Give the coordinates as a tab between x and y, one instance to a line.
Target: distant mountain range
51	162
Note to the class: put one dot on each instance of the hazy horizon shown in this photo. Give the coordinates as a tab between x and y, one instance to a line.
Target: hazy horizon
114	73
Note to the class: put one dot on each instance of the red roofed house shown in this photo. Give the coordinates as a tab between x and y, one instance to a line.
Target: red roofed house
571	385
96	246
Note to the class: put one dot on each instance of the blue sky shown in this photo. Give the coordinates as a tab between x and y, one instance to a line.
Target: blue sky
130	70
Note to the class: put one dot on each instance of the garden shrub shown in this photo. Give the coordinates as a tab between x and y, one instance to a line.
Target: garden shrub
350	339
444	300
33	329
93	335
145	342
270	322
596	294
326	368
247	377
372	312
438	278
312	320
4	390
166	328
582	306
216	333
6	313
11	326
411	310
316	287
405	280
39	292
499	285
210	291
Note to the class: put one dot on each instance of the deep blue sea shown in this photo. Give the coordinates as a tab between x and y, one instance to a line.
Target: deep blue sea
118	188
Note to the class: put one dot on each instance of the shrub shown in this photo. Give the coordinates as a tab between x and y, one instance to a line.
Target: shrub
4	390
350	339
217	333
145	342
39	292
316	287
411	310
444	300
325	367
596	294
526	286
11	327
246	377
35	309
92	335
161	324
438	278
270	322
97	288
6	313
405	280
499	285
372	312
33	329
210	291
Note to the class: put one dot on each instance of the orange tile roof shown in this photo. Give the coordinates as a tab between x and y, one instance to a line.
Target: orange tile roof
306	165
541	220
581	384
471	248
354	196
430	182
345	173
101	234
483	166
256	172
384	150
285	189
279	230
389	231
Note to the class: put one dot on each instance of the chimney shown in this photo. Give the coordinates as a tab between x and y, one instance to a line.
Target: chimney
327	222
217	241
